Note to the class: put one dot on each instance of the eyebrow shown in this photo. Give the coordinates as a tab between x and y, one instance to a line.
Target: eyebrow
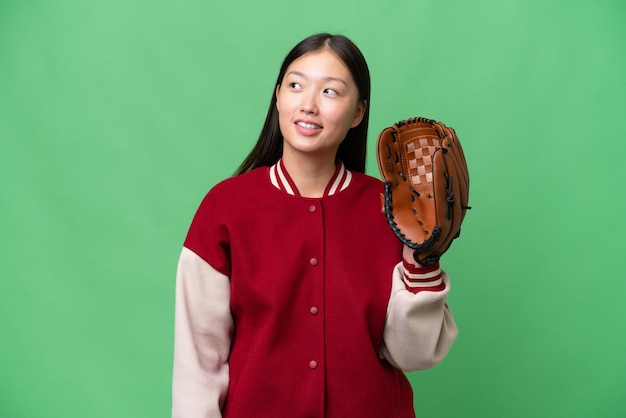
339	80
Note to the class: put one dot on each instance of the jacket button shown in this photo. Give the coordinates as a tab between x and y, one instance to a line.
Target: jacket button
312	208
313	364
314	310
314	261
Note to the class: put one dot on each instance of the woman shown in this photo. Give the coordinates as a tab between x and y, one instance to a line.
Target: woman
294	297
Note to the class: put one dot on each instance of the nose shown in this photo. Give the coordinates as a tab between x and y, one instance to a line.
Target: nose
309	103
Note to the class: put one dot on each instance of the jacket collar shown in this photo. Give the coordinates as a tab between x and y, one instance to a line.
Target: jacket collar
279	177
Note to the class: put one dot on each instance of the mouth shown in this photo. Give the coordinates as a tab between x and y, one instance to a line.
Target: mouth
308	125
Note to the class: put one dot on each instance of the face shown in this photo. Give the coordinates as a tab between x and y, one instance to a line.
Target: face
317	103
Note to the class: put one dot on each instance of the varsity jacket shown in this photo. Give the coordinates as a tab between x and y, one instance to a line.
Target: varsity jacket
289	306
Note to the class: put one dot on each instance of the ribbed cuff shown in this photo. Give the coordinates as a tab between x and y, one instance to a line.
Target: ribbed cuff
420	278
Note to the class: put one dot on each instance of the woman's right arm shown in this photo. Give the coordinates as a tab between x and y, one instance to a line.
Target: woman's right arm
203	332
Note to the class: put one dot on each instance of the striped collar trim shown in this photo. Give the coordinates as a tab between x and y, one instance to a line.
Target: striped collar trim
279	177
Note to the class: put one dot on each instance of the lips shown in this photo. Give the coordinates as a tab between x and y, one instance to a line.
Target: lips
308	125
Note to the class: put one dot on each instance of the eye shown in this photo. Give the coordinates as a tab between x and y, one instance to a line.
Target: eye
332	92
295	85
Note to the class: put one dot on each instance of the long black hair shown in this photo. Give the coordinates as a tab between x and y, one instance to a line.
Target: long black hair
352	150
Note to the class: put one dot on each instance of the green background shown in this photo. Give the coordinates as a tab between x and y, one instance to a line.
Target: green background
117	116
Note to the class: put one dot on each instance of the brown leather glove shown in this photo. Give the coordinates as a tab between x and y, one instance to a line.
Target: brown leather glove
426	185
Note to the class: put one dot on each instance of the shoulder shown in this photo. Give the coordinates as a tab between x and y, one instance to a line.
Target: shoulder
367	179
238	187
240	181
223	205
365	192
233	193
363	181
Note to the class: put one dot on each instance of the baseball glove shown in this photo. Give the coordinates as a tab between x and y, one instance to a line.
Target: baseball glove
426	185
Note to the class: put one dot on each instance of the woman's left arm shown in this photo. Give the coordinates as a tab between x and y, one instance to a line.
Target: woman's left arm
419	329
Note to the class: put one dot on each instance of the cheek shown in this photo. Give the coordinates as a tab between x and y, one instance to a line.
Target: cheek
281	110
342	117
284	119
285	106
282	122
336	113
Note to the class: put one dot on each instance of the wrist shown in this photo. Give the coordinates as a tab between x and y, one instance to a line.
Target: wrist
418	277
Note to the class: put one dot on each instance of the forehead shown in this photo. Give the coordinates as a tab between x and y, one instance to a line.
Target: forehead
320	64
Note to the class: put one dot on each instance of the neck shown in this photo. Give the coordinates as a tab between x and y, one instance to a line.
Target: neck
310	175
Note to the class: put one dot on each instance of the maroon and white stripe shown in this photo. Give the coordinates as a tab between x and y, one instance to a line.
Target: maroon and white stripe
281	180
279	177
418	278
341	180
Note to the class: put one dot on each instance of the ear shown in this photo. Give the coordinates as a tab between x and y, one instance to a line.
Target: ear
276	94
359	113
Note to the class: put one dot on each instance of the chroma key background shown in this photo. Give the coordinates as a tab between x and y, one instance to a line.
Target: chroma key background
117	116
